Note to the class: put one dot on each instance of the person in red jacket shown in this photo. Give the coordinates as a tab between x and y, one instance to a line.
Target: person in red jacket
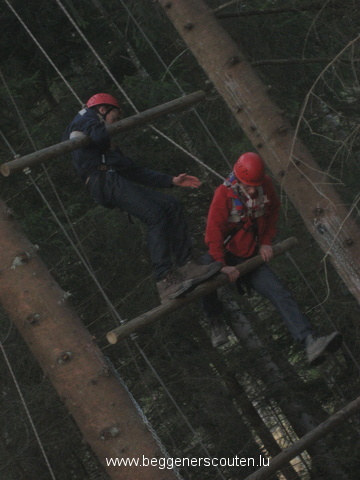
242	222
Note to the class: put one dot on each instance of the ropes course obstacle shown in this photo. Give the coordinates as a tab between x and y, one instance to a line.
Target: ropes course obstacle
67	146
218	281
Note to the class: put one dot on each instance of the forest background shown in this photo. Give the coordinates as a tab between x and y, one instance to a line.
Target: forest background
181	384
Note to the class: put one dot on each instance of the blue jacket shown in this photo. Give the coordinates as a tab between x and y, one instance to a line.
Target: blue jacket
86	159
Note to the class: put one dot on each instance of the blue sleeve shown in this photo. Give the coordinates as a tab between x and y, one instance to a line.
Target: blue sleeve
88	122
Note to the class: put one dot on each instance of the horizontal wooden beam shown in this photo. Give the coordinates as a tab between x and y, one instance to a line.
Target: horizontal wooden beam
67	146
218	281
310	438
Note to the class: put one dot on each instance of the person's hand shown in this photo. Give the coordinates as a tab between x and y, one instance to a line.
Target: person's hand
266	252
232	272
185	180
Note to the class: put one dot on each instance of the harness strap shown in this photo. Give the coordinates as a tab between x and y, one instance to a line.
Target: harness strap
102	167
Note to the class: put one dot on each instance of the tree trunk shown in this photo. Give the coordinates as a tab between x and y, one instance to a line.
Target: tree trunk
271	134
70	358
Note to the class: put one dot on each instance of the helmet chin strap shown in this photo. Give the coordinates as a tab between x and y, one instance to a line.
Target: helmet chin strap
240	187
104	115
243	190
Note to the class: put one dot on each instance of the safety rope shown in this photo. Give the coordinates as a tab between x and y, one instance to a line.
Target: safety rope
145	420
173	401
41	48
119	321
160	133
168	71
27	411
128	99
92	49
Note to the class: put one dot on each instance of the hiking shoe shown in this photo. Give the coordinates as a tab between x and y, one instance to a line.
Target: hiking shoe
318	348
171	287
196	273
218	331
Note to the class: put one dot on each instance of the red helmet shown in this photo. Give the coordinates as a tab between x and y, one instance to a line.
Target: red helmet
249	169
102	99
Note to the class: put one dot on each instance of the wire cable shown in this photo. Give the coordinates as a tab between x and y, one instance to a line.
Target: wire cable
167	71
27	412
123	92
42	50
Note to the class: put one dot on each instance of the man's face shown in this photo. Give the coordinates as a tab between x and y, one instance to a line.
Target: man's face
249	189
113	116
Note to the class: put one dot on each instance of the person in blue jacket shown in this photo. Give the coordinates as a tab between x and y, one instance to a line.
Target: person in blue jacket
113	181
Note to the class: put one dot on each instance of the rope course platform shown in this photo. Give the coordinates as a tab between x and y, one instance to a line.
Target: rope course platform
216	282
26	161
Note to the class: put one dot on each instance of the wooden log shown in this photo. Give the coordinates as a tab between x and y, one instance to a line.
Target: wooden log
218	281
310	438
67	146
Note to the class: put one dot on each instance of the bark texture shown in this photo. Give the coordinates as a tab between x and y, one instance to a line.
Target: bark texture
70	358
271	134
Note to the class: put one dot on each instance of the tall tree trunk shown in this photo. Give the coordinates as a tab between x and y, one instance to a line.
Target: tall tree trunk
68	355
271	134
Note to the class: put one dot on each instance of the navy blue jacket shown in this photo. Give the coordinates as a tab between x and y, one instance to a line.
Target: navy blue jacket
86	159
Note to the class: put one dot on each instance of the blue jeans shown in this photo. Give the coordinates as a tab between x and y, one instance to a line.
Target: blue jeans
167	231
264	281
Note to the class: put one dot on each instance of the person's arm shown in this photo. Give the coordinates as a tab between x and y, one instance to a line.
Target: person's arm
146	176
88	122
185	180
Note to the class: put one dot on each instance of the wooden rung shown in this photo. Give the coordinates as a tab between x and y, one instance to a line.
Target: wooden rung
216	282
67	146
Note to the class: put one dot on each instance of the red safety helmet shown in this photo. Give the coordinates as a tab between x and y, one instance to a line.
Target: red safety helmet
102	99
249	169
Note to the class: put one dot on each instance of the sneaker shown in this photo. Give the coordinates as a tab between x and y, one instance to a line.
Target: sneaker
196	273
318	348
171	287
218	331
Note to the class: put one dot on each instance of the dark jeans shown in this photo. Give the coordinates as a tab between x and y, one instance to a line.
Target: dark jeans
264	281
167	231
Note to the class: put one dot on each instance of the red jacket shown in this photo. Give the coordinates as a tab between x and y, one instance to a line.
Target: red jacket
244	243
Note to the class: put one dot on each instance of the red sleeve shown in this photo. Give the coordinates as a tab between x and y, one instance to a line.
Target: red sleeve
273	210
217	224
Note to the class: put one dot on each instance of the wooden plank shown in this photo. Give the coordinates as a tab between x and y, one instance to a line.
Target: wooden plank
216	282
67	146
